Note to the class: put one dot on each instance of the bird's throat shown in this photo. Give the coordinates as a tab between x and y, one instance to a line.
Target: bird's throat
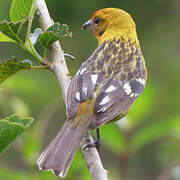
113	34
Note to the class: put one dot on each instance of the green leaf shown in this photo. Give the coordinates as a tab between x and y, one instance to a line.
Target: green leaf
10	128
14	30
4	38
54	33
21	9
113	137
12	66
154	132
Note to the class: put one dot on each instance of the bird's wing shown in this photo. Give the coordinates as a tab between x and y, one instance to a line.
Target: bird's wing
111	98
113	87
115	98
80	90
83	84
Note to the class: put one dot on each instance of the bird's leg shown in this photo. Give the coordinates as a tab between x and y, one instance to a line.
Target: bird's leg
95	144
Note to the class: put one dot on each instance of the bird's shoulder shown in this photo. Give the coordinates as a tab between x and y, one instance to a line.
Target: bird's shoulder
122	61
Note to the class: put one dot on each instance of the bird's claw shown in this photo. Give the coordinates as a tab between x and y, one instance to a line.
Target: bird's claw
95	144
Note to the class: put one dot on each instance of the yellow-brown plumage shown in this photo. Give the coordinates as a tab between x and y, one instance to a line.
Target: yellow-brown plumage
116	23
104	88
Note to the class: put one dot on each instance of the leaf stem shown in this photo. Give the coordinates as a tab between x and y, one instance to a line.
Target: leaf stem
34	52
45	53
30	20
31	50
39	67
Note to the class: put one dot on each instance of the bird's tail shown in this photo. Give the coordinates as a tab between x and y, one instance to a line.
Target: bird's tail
59	154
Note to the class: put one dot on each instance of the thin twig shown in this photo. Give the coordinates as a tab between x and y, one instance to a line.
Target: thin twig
91	155
70	56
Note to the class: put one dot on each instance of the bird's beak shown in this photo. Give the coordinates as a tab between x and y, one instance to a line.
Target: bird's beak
88	25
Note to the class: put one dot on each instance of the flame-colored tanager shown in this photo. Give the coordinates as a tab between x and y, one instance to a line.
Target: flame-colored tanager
105	87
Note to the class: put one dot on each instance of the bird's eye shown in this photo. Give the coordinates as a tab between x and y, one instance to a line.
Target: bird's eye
97	20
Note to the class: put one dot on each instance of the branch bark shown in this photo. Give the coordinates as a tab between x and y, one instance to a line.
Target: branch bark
91	155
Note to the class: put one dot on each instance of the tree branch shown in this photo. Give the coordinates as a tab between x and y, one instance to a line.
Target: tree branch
59	66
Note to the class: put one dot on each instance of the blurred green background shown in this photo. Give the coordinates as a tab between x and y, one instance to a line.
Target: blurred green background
145	145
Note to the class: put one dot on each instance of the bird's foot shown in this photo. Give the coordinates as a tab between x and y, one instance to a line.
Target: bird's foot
95	144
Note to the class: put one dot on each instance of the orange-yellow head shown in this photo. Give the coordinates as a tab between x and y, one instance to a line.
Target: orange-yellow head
112	23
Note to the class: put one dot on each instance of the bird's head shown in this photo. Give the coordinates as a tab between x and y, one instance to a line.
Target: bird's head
111	23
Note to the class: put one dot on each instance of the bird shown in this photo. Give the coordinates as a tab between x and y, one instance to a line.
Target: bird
103	90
